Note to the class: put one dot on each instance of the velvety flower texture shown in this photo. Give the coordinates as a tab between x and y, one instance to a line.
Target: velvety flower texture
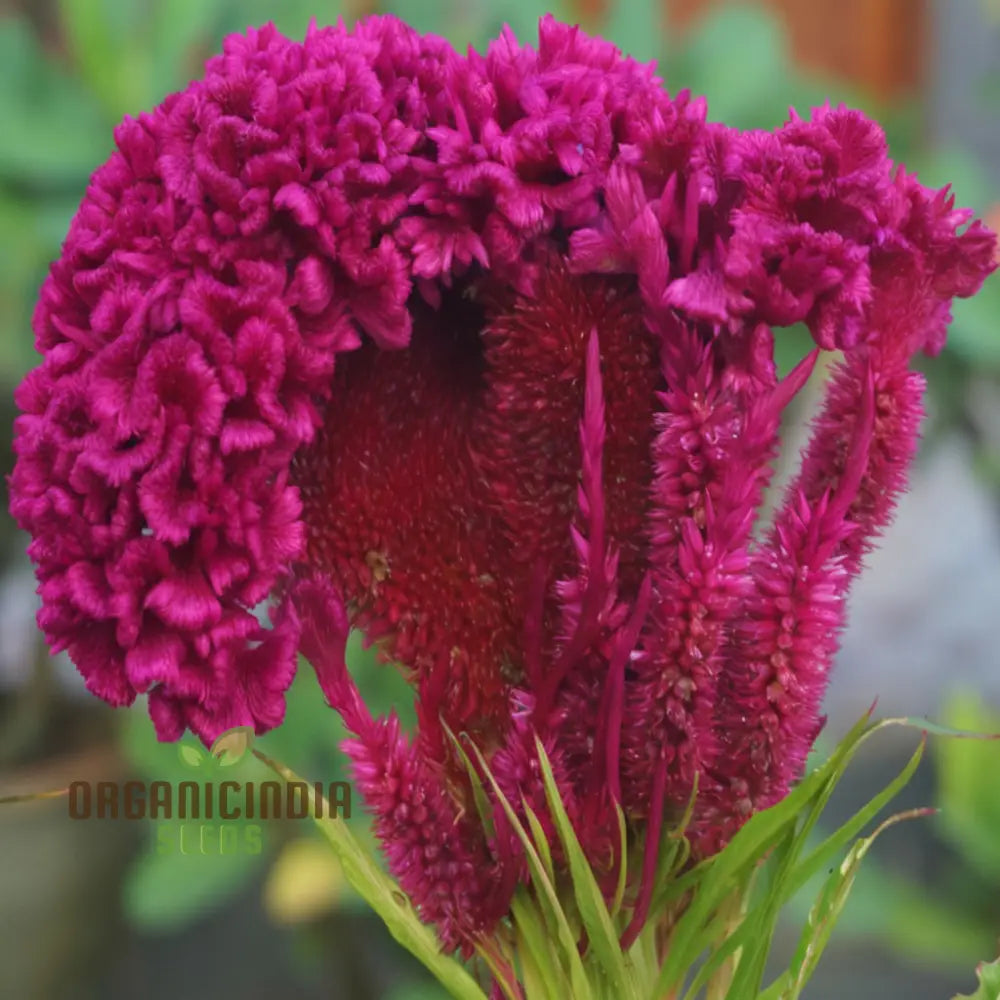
476	354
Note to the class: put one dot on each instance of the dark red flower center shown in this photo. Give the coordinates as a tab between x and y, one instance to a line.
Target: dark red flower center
445	479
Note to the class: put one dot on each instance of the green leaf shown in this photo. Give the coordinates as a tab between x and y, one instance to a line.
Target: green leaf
827	909
10	800
944	729
821	855
534	943
786	878
384	896
715	879
736	933
540	840
890	907
548	899
988	974
589	898
479	797
674	854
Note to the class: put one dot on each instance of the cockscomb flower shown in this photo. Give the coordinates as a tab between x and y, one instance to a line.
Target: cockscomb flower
475	354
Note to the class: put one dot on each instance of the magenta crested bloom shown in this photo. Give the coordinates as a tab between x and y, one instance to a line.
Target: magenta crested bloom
476	355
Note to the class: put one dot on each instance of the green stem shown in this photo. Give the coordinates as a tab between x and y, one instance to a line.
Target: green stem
732	912
7	800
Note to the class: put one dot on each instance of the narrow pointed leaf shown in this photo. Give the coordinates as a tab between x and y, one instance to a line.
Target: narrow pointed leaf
534	942
820	856
784	889
541	841
479	796
589	898
937	728
717	877
828	907
385	897
555	916
9	800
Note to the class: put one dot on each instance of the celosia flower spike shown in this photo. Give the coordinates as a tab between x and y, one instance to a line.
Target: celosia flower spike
625	650
713	458
569	707
650	852
780	656
590	549
895	393
438	853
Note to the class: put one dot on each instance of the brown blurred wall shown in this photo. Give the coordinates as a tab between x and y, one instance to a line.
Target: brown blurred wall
879	44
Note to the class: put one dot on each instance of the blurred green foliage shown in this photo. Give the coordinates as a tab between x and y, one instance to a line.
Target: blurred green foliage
968	781
165	887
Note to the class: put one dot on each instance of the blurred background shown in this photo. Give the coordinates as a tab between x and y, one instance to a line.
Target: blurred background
98	910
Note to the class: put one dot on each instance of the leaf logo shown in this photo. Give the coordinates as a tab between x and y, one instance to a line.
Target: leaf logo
233	745
228	749
192	756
